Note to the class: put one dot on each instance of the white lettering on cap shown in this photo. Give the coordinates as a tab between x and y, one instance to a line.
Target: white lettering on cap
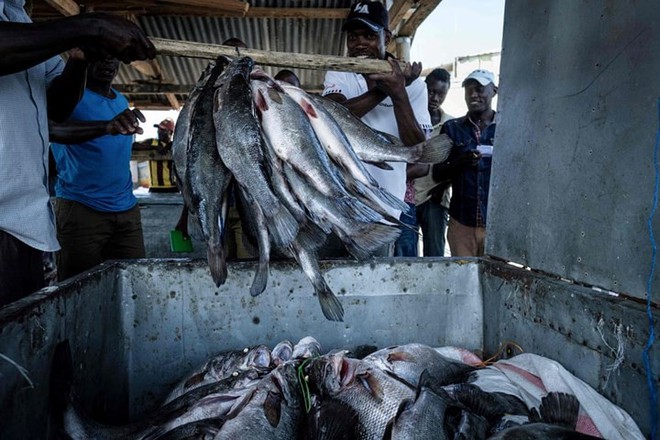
362	9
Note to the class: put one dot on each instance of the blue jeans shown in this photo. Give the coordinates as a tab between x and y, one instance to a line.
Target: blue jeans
432	217
406	244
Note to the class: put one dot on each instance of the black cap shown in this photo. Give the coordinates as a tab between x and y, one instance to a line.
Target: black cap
371	14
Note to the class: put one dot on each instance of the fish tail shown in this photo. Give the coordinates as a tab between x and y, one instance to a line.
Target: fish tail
436	149
261	275
283	226
375	236
311	236
357	210
391	200
330	305
560	409
215	254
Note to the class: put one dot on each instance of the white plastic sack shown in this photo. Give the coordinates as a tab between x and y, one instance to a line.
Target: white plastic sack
530	377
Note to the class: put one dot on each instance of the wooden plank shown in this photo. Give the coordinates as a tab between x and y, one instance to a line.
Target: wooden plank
397	12
268	58
146	155
65	7
171	98
423	10
225	5
299	13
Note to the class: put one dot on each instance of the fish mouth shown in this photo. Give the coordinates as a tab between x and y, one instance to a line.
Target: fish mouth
344	369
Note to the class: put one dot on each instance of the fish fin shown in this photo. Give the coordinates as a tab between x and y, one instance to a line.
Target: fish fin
194	380
355	209
200	429
259	101
330	304
400	356
311	236
283	226
260	280
372	385
478	401
273	408
560	409
436	149
308	108
382	165
336	420
215	254
471	426
366	239
371	193
391	200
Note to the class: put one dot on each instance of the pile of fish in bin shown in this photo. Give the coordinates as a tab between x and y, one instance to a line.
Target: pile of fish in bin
293	392
293	164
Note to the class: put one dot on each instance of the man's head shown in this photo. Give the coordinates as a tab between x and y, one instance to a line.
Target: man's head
288	76
437	86
367	33
165	129
480	88
102	72
235	42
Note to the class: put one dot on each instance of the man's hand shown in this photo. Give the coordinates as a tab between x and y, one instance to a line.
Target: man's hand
469	159
126	122
392	83
117	37
412	72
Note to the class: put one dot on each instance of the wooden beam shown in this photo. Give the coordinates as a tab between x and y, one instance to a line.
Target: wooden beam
268	58
224	5
171	98
423	10
65	7
301	13
180	89
397	12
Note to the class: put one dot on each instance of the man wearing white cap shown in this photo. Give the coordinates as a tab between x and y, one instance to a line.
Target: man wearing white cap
393	102
469	164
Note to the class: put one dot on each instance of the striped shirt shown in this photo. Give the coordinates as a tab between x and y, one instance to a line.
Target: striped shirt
25	209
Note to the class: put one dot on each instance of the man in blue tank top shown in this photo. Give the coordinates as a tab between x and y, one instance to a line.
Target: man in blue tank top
97	215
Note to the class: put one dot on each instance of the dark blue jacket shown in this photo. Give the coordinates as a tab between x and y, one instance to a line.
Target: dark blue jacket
470	185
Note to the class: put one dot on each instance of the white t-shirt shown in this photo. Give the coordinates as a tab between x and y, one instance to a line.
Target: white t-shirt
382	118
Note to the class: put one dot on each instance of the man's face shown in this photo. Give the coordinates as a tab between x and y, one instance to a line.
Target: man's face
103	71
477	97
365	43
164	134
437	91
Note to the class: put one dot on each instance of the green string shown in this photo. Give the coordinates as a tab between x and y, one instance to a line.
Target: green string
304	386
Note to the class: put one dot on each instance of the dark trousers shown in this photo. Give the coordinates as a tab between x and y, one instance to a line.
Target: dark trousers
89	237
432	217
406	244
21	269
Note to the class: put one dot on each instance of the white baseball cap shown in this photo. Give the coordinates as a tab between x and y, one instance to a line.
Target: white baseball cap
483	77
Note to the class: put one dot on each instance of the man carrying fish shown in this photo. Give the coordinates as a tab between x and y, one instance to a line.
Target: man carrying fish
394	102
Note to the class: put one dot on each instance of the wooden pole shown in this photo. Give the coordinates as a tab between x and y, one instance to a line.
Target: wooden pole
266	58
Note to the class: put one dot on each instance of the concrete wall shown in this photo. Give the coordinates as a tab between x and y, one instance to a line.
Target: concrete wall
573	176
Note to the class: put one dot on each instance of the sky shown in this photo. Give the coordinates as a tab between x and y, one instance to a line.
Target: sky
458	28
455	28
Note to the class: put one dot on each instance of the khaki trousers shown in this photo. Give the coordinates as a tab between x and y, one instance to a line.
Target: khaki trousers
465	241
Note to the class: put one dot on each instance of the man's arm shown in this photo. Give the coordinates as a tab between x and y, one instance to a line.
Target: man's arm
23	45
360	105
67	89
75	132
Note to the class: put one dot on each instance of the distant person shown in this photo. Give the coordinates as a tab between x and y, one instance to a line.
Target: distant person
161	171
98	217
394	102
432	198
35	85
289	77
469	164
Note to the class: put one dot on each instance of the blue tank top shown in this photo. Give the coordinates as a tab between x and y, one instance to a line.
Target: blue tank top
97	173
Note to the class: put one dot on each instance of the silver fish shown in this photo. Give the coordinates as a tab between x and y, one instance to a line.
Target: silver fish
292	138
255	228
421	418
376	147
240	146
407	362
373	394
206	177
273	411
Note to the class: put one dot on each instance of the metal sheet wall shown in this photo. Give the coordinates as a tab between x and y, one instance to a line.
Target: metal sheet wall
573	176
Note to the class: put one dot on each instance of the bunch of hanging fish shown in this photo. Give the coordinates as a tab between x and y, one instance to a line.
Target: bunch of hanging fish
295	163
407	392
